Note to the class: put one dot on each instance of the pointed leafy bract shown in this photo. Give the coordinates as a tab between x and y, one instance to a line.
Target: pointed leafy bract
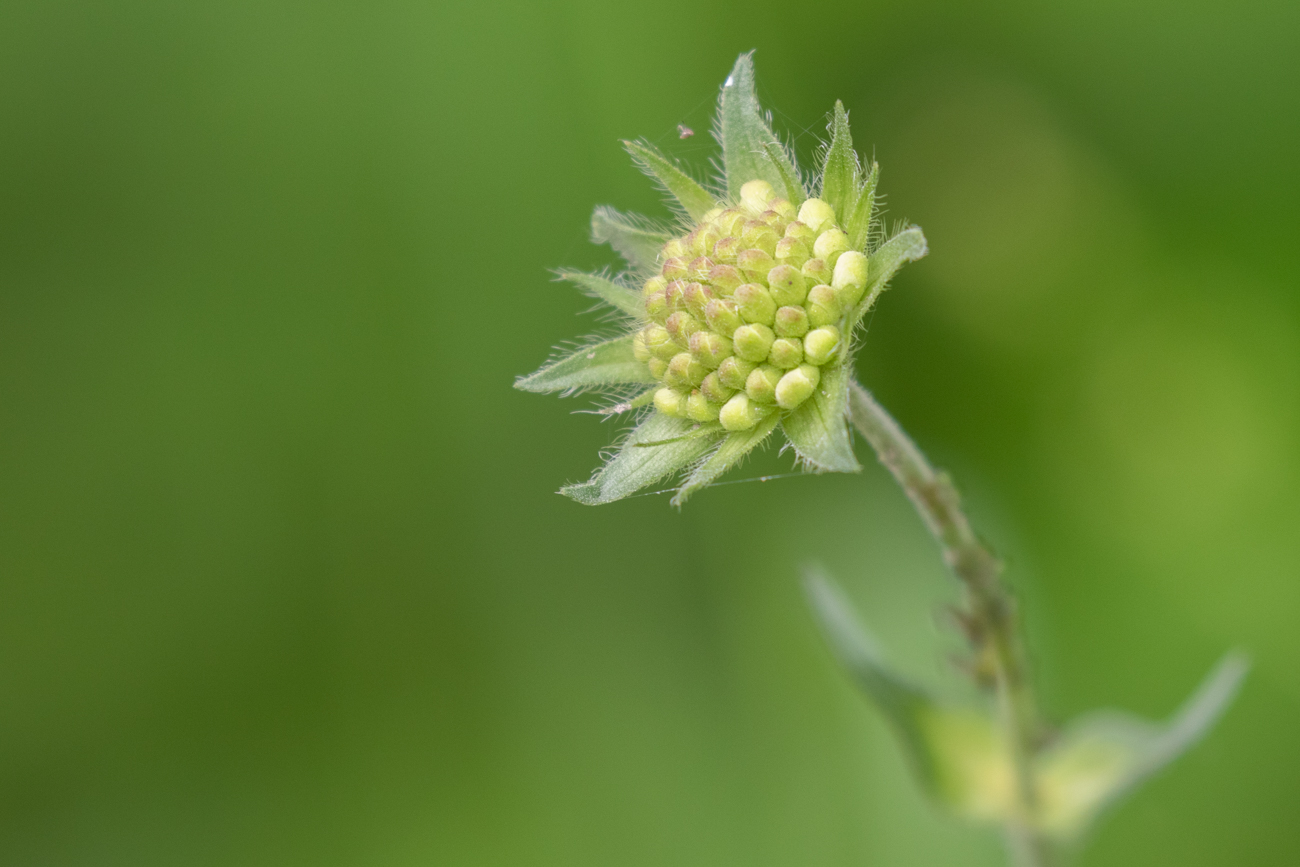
750	150
818	428
610	362
958	753
636	240
693	198
1104	755
858	224
791	185
732	450
636	466
841	173
907	246
616	294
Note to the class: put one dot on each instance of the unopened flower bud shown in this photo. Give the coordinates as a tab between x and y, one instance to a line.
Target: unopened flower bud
700	267
710	349
791	322
725	279
759	236
755	264
783	208
685	372
823	306
773	219
659	342
705	237
786	285
722	315
753	342
799	231
711	214
740	413
674	268
816	214
786	352
639	350
681	325
754	303
700	408
673	296
658	368
797	386
755	195
669	401
850	279
656	306
654	284
817	271
674	249
760	385
830	244
820	344
730	221
727	249
734	371
696	297
715	390
792	251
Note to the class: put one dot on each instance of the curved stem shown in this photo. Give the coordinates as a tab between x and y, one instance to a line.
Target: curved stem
989	619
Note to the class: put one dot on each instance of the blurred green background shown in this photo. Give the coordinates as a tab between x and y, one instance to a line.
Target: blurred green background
283	577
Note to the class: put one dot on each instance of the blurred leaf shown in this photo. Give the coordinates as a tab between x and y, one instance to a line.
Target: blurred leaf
750	150
818	428
907	246
732	450
610	362
696	200
841	173
615	293
636	239
634	467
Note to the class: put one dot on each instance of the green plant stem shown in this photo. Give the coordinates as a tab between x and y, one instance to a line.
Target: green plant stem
989	618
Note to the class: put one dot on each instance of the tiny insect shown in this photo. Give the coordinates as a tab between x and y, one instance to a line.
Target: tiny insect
684	131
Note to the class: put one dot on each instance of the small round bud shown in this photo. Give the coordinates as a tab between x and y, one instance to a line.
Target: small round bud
773	219
674	249
656	306
654	284
850	279
710	349
670	402
759	236
760	385
674	268
659	342
730	221
639	350
754	304
722	315
705	237
714	390
791	322
820	344
797	386
734	371
727	249
753	342
673	295
755	195
712	214
783	208
792	251
786	352
696	297
823	306
658	368
830	244
681	325
816	214
700	408
685	372
786	285
725	279
755	264
700	267
798	231
816	271
740	413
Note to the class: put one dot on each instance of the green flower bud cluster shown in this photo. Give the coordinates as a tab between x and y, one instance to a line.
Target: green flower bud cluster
748	308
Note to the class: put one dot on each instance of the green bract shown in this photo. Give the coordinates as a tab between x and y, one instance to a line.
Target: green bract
743	315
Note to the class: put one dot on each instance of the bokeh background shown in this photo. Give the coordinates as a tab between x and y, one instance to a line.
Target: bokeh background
283	577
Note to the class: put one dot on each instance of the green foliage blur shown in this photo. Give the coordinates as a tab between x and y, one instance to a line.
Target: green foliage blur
283	576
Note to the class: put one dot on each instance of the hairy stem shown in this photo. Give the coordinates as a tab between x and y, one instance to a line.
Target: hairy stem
989	619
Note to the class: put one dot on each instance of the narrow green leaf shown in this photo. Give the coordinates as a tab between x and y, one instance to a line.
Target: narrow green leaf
858	224
635	239
841	172
645	398
616	294
790	182
743	130
818	428
907	246
696	200
1105	755
634	468
610	362
726	456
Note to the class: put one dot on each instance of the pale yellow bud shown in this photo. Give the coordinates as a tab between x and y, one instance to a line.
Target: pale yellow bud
823	306
761	383
671	402
797	386
755	195
817	271
755	304
722	315
714	389
786	285
658	368
816	214
821	344
830	244
685	372
791	322
759	236
850	279
753	342
740	413
755	264
710	349
786	352
734	371
725	279
700	408
659	342
639	349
